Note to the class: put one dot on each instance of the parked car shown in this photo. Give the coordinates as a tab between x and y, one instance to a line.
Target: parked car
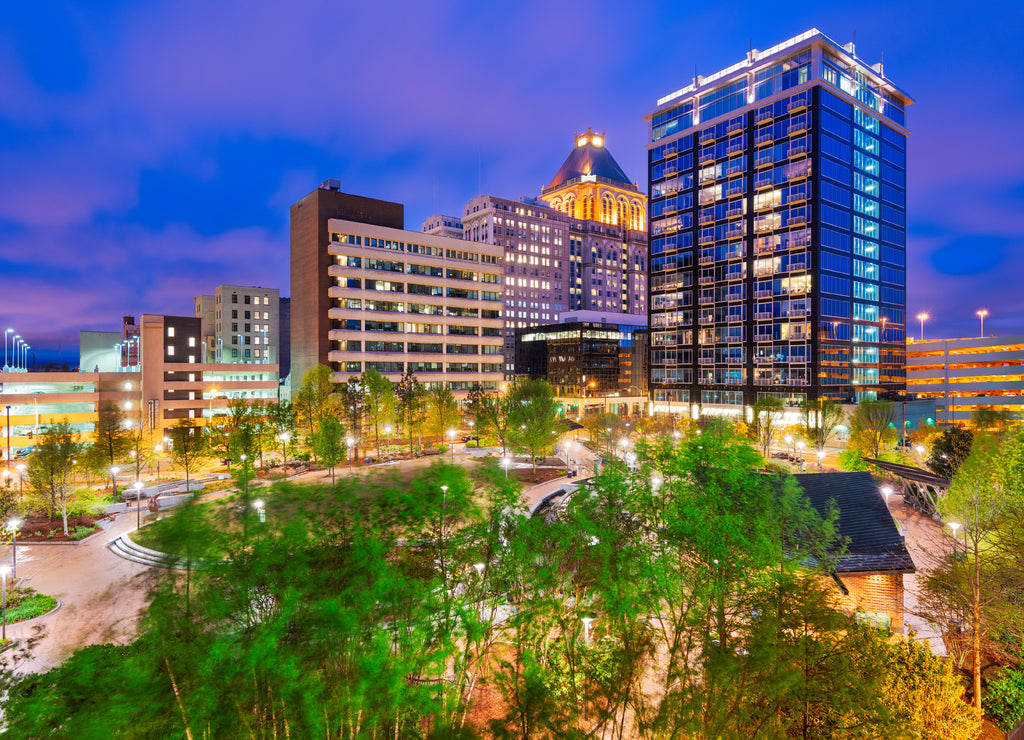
470	437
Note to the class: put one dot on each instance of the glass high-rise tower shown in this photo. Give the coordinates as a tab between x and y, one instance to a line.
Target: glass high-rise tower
778	232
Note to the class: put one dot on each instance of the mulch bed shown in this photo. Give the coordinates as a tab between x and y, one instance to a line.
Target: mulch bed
37	527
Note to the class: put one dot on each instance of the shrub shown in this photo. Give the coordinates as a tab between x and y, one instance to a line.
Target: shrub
32	606
1004	701
81	532
472	443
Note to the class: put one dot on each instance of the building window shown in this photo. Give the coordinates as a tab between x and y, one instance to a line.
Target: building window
234	313
234	298
191	341
170	350
247	353
170	331
247	300
247	314
266	315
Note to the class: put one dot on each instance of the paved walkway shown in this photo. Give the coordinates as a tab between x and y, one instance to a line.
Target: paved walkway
101	595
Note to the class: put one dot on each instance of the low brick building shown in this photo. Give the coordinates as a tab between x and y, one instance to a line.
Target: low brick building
870	572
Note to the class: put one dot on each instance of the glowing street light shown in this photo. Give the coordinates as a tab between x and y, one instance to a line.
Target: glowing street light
981	315
922	317
586	629
887	492
955	526
505	463
451	437
821	457
13	525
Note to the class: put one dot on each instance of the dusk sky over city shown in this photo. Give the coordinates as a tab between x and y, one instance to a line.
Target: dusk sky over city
150	151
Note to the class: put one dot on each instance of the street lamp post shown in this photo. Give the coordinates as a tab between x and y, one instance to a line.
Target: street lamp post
586	629
451	437
6	332
21	478
284	437
981	315
955	526
3	607
262	512
887	492
350	442
158	449
138	504
13	524
505	462
922	317
821	457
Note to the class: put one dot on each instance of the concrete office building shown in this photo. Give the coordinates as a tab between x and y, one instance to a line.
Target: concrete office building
778	231
169	382
368	294
580	245
240	324
962	375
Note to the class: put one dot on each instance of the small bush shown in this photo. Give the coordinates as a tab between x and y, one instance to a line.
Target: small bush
1004	700
82	532
33	606
471	444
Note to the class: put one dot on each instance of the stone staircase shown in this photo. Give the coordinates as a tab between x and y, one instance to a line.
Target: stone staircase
124	547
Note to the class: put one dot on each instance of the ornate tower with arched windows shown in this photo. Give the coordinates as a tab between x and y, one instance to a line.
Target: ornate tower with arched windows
608	224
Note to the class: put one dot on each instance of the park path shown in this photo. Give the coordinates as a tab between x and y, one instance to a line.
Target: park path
101	595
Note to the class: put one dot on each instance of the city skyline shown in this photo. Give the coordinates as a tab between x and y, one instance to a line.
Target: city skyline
142	168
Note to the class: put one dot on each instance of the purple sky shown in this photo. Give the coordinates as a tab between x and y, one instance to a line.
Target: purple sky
150	151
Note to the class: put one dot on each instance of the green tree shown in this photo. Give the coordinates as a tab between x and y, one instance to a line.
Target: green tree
949	451
820	419
767	416
380	402
111	440
533	418
991	420
492	418
314	399
975	594
53	469
329	443
873	428
353	409
442	411
189	447
411	404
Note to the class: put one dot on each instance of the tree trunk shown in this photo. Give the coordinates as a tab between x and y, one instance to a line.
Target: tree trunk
976	630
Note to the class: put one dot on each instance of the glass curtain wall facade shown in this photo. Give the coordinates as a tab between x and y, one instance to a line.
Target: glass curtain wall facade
778	232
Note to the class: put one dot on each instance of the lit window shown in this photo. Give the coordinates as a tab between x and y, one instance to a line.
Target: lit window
191	341
170	331
170	349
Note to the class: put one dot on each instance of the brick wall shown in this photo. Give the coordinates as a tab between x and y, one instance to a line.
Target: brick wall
875	592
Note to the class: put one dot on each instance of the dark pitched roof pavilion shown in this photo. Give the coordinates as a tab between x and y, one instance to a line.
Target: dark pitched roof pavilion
875	543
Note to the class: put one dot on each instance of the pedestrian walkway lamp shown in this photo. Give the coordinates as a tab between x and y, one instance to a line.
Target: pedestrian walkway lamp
262	512
955	526
821	457
158	449
13	524
138	504
586	629
887	492
505	462
284	437
3	630
21	478
350	442
451	437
